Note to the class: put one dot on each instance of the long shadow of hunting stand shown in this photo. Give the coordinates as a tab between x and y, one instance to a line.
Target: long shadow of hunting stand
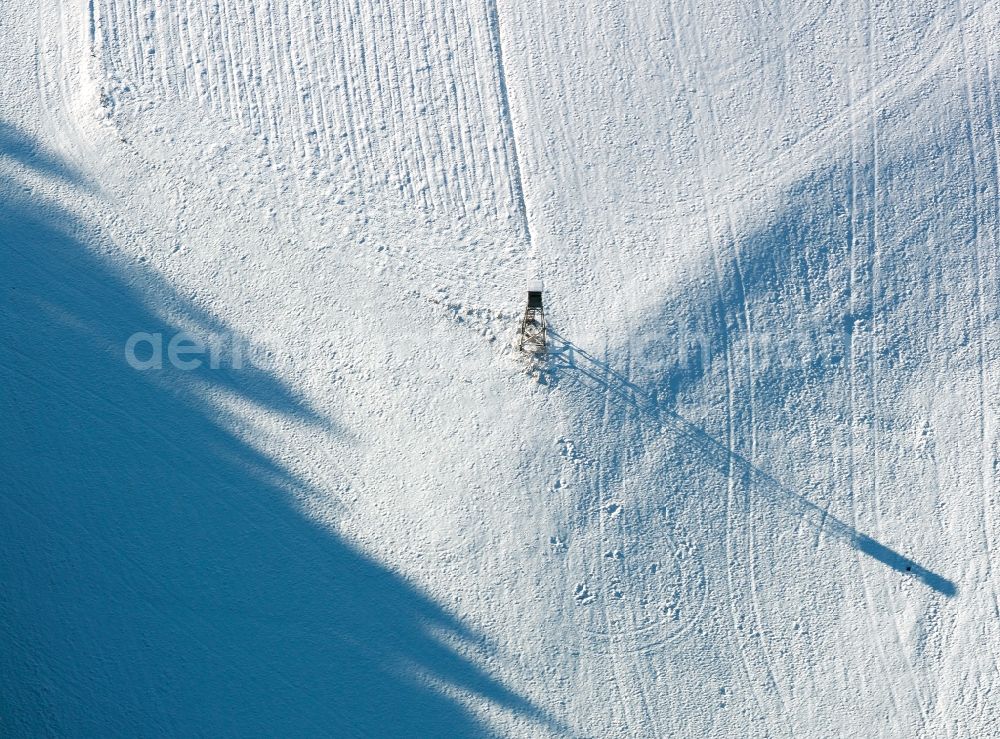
566	357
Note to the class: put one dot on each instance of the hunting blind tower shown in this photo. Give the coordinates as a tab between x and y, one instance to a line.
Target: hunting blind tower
533	325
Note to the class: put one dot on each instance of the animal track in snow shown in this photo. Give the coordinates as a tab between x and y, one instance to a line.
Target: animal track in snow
644	592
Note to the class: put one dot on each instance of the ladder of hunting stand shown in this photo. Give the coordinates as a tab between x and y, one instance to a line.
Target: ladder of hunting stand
533	339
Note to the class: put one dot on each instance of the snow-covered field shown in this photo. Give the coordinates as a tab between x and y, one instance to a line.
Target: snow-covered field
753	491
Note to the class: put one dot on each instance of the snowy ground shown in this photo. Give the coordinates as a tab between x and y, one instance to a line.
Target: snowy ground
753	492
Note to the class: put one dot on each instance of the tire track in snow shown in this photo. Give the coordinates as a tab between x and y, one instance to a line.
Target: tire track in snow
602	499
870	356
751	683
903	654
490	165
624	633
874	287
990	519
430	268
606	588
493	17
979	264
398	95
627	609
733	540
56	81
626	651
857	223
732	238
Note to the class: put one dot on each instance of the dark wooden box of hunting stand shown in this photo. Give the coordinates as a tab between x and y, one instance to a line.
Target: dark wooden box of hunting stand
533	339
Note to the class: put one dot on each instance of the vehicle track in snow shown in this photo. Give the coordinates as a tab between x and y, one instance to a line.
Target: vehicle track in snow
409	98
731	238
985	270
988	500
867	357
59	80
855	225
876	286
629	626
736	515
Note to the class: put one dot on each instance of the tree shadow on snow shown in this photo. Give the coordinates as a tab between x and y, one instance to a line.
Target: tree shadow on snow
156	577
20	147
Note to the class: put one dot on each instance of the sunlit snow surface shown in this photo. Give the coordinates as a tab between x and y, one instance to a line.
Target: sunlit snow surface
751	491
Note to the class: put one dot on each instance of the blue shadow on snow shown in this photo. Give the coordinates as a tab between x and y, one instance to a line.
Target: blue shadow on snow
155	577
